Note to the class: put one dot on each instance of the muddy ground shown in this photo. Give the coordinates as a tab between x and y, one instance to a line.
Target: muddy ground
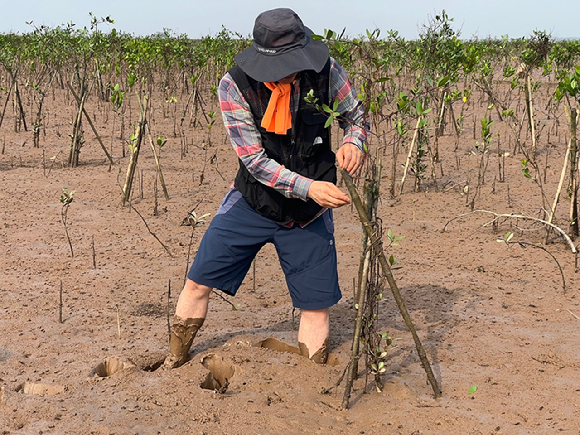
489	315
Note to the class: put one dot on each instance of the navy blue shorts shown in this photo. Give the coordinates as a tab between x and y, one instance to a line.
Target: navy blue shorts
236	234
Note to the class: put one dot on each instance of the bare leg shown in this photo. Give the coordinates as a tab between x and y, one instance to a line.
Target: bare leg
193	301
314	331
189	317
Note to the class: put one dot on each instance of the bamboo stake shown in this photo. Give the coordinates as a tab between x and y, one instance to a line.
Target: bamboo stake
376	243
558	191
530	110
165	193
409	156
572	115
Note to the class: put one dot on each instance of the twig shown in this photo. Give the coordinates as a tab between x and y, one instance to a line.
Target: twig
60	305
94	254
565	309
518	216
233	306
168	309
524	244
151	232
118	321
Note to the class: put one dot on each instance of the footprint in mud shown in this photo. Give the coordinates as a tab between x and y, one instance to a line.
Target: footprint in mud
220	373
109	367
280	346
39	389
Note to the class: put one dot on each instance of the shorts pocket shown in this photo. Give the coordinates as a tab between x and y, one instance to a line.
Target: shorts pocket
328	221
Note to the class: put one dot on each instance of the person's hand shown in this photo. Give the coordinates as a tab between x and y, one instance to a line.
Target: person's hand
350	157
327	194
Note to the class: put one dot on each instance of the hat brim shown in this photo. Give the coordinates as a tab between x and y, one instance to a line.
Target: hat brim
271	67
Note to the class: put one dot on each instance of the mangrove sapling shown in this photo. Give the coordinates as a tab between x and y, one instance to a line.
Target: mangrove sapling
20	117
207	144
160	143
568	88
88	118
386	271
421	139
193	221
536	178
482	149
573	116
135	147
66	198
371	196
77	140
5	103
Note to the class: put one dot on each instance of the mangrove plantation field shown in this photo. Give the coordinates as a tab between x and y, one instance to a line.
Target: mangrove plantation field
114	160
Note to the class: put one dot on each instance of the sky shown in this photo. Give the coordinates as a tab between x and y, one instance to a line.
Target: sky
196	18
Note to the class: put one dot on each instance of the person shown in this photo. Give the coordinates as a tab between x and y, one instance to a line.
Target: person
284	191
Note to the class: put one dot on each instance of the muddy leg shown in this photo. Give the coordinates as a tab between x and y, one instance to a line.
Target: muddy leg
182	334
313	334
319	357
190	314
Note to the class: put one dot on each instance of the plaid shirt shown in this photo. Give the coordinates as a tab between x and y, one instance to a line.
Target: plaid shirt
246	138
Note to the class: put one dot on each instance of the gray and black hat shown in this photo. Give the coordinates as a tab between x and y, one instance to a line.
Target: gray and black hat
282	46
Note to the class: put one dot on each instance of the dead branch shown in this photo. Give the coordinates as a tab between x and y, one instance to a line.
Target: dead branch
151	232
518	216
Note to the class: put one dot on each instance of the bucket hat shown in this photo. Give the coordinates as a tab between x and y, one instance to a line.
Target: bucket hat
282	46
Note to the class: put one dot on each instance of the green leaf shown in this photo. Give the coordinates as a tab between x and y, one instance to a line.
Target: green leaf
328	122
442	81
335	105
472	389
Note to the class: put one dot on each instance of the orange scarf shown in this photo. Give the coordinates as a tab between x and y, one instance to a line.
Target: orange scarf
278	118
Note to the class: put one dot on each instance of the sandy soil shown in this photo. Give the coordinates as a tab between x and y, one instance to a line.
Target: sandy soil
489	315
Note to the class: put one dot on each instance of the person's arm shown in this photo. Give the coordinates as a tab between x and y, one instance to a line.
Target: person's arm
247	143
350	155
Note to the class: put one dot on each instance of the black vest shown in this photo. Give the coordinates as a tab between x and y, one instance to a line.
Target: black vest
296	150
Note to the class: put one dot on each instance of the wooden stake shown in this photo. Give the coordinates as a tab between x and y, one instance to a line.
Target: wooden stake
391	280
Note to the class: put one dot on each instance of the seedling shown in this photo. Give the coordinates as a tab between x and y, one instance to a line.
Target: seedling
66	199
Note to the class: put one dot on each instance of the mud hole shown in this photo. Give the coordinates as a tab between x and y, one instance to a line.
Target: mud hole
109	367
220	373
39	389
